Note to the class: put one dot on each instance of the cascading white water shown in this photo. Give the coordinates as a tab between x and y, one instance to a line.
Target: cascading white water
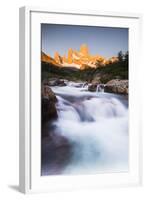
100	88
96	126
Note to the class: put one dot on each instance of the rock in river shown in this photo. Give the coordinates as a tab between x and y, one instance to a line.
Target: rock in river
56	82
92	87
117	86
49	100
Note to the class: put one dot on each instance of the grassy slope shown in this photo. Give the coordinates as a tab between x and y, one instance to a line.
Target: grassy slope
112	71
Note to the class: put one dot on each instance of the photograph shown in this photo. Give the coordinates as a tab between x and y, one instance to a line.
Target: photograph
84	99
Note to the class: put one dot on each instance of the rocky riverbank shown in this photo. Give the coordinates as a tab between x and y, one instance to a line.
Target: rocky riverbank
116	86
49	100
113	86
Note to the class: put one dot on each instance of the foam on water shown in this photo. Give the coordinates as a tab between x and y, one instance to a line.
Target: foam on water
97	127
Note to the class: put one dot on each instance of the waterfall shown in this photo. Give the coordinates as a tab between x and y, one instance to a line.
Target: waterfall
98	130
85	84
100	88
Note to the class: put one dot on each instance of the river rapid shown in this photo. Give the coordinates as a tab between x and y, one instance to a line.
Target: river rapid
95	124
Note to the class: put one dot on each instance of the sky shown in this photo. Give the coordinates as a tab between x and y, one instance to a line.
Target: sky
104	41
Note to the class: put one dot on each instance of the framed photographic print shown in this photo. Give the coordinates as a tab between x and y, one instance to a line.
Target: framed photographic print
79	102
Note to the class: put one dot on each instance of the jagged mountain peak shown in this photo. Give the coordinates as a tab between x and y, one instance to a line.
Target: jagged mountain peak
48	59
78	58
84	49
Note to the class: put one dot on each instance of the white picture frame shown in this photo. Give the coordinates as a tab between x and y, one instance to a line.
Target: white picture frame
29	159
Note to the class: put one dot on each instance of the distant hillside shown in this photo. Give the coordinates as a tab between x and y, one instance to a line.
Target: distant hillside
50	70
116	70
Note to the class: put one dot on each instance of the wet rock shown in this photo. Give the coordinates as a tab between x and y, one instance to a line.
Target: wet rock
117	86
60	82
56	82
49	100
56	154
92	87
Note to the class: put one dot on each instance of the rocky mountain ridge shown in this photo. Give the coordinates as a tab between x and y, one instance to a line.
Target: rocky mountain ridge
78	59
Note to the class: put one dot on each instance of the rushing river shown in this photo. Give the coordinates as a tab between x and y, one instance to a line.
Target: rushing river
96	126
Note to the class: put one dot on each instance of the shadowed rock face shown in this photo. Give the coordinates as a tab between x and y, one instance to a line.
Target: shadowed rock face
117	86
55	82
56	154
48	107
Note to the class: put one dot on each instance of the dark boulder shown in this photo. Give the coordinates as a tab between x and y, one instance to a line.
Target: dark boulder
48	108
92	87
60	82
55	82
56	154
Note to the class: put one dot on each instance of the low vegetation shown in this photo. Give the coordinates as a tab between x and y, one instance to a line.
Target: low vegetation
115	70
